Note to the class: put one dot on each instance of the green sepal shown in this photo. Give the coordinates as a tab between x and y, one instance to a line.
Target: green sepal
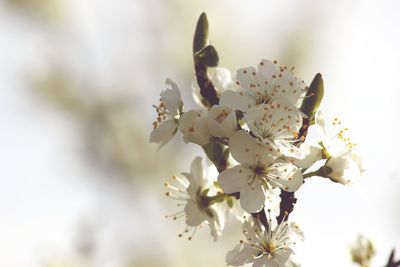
313	98
227	152
229	201
200	39
209	213
208	55
205	192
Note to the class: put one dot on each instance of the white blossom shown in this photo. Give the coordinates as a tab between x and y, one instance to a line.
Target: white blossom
196	192
221	121
169	111
278	124
193	124
262	85
258	172
342	168
265	247
343	163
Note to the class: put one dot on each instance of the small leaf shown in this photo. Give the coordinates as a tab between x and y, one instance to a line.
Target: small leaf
200	39
313	97
208	55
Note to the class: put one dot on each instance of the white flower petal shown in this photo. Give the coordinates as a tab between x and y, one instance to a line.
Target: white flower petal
312	154
288	149
171	97
221	78
267	69
289	88
286	176
251	229
221	121
248	78
238	100
196	169
338	166
264	261
193	125
194	216
275	120
164	132
233	179
215	230
240	255
193	187
282	258
320	123
247	150
295	232
222	212
272	200
252	198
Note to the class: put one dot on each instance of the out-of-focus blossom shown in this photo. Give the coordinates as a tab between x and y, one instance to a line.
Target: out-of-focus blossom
265	247
362	251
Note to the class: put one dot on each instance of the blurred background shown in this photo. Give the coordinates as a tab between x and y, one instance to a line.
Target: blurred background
80	184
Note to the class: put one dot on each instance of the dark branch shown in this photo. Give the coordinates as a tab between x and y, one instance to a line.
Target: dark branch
262	217
391	261
287	205
207	89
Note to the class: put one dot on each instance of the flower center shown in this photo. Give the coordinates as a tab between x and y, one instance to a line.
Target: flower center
259	170
258	176
164	114
262	98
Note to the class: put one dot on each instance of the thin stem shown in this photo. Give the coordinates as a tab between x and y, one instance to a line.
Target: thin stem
286	206
262	217
310	174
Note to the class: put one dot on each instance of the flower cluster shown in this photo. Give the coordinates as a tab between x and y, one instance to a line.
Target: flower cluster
253	128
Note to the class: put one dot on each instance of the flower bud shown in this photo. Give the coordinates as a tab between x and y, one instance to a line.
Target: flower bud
342	168
313	97
200	39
